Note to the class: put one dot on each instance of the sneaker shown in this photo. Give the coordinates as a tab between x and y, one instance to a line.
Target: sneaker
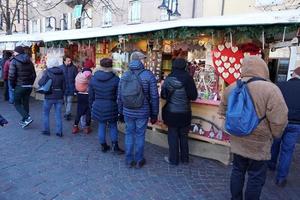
46	133
21	122
27	122
75	129
59	134
130	164
166	159
140	164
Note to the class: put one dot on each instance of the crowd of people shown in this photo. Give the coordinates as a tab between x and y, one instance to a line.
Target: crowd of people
133	99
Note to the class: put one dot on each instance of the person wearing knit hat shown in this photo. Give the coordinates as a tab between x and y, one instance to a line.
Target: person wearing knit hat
83	109
21	76
55	98
103	101
283	148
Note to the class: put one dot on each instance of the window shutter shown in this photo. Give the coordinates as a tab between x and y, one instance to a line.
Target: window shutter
30	28
69	21
43	25
38	24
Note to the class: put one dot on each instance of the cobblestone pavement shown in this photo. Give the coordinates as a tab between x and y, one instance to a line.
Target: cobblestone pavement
36	167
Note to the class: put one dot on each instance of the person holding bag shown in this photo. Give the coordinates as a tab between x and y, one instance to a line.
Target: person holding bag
178	90
53	97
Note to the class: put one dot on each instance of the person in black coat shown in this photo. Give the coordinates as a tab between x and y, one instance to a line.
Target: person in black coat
55	98
178	90
103	90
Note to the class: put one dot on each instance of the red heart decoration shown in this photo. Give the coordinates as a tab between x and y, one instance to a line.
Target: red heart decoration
226	61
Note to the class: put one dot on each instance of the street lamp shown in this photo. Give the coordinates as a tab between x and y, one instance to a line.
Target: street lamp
168	5
49	27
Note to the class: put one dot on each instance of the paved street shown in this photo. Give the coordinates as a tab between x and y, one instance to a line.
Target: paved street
36	167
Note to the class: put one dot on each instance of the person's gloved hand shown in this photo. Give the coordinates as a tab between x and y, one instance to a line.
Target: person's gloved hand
153	119
121	118
3	121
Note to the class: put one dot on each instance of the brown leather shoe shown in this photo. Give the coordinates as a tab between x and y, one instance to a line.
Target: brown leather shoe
75	129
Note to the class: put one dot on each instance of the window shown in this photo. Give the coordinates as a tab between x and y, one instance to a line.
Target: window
134	13
50	24
107	16
64	22
164	13
18	16
34	26
86	19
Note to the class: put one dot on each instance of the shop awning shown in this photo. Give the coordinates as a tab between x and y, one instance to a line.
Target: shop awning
262	18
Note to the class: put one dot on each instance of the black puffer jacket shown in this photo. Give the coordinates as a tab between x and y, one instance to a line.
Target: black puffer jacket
178	89
291	93
21	71
58	82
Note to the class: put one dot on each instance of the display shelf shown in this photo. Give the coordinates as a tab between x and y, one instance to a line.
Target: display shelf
207	102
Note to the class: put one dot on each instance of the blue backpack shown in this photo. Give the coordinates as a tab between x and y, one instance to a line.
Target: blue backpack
241	116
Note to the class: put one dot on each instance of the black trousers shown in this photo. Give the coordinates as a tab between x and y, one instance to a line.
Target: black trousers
178	140
6	88
22	96
257	173
83	108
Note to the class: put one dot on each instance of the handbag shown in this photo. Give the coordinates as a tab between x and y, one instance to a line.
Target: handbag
46	88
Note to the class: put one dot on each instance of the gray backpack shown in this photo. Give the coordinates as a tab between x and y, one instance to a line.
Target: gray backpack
132	90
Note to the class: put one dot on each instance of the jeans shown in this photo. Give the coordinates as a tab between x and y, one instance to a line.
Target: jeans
48	103
135	128
10	93
113	129
178	137
68	104
257	173
22	95
284	148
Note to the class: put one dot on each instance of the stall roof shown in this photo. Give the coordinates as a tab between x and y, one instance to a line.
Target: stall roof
262	18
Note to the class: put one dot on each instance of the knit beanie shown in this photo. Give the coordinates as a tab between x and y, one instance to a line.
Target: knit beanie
19	49
106	62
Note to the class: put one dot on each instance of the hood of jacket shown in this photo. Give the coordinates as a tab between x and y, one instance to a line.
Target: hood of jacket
173	83
55	70
254	66
23	58
103	76
136	65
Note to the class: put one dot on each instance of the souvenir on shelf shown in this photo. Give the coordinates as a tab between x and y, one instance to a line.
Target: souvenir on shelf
153	63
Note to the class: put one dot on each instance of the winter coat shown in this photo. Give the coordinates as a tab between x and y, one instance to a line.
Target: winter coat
268	102
103	90
70	73
21	71
178	89
151	102
82	82
291	93
6	70
58	83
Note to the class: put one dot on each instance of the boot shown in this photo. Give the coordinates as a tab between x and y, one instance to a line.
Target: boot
116	149
87	130
75	129
105	147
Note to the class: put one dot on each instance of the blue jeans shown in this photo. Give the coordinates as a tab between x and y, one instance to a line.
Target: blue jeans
48	103
257	174
11	93
113	129
284	148
68	104
135	128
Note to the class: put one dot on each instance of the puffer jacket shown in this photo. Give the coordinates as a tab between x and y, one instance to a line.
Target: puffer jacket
151	102
103	90
178	89
58	83
21	71
70	73
291	93
268	102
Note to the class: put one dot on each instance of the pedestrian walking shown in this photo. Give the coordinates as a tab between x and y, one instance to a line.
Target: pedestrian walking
103	101
21	77
251	152
83	108
8	91
55	97
137	100
70	73
283	148
178	90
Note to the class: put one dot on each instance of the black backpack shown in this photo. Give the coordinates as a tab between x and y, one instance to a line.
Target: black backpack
132	90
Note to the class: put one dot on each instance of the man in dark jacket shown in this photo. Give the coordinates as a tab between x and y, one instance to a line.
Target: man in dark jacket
5	67
178	89
21	76
55	98
284	146
70	73
137	119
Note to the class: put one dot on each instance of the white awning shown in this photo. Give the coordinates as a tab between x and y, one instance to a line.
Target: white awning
262	18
